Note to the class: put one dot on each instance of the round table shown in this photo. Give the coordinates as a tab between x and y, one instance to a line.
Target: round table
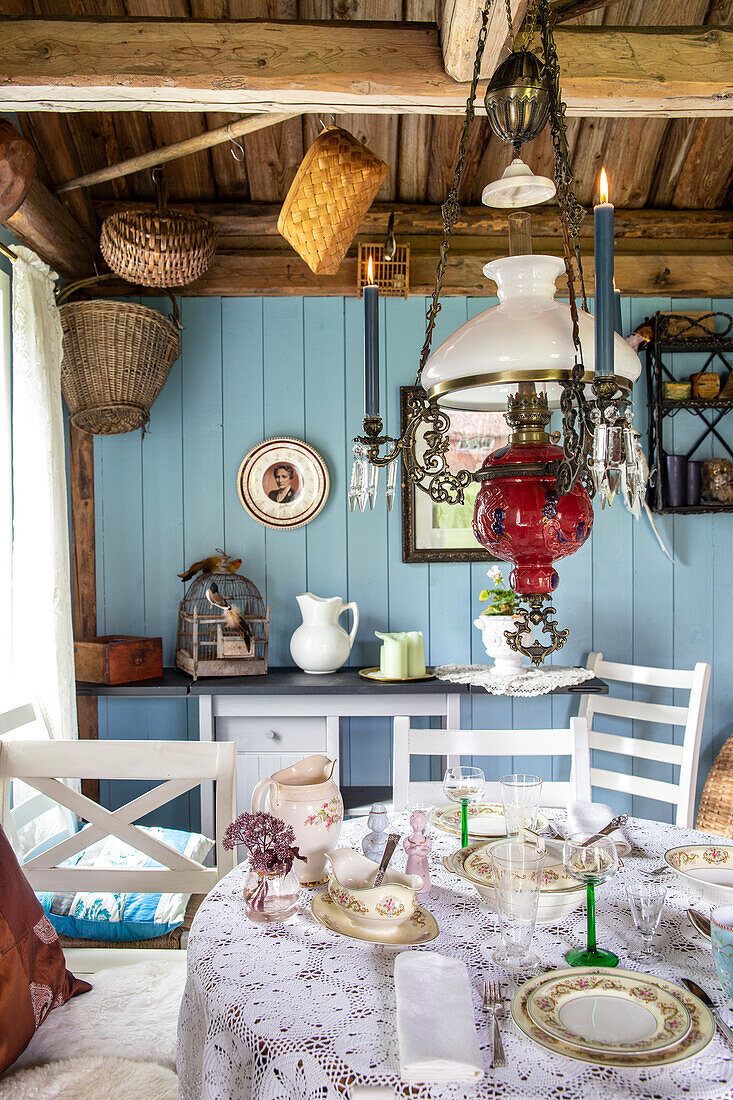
296	1012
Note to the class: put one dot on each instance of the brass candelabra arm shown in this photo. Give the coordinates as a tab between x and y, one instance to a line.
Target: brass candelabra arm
577	435
526	618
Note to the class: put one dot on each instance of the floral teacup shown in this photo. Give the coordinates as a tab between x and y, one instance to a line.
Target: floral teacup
386	906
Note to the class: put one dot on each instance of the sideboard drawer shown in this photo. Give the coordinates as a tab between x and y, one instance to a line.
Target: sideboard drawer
274	735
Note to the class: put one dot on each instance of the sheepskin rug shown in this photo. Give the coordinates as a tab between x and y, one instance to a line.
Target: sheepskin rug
91	1079
130	1012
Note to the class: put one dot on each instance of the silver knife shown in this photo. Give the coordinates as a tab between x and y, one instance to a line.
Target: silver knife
695	989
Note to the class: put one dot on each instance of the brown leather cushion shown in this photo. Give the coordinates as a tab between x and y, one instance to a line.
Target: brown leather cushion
33	974
170	941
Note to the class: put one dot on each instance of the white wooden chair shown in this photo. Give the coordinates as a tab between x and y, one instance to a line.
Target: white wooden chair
31	820
680	793
409	742
180	766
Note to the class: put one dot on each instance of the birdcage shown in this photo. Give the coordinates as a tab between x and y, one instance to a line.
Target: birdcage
204	646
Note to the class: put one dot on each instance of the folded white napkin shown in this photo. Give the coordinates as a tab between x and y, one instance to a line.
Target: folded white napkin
590	818
435	1025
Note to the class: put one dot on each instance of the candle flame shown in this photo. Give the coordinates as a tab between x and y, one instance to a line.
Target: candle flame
603	186
370	271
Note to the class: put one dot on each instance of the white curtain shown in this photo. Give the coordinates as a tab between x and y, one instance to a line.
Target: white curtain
43	647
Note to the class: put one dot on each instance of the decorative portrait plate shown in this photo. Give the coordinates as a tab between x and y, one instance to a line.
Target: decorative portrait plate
283	483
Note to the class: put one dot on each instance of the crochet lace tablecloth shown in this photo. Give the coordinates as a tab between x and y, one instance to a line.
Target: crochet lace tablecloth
295	1012
528	682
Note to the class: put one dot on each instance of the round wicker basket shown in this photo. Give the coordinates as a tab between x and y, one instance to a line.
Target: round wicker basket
117	356
163	248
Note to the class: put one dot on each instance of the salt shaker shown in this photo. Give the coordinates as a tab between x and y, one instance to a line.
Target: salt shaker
417	847
373	844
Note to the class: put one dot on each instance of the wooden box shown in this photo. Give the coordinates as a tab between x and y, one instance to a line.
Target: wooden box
118	659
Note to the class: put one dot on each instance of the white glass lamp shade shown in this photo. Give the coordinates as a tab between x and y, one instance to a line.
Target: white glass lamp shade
528	337
517	187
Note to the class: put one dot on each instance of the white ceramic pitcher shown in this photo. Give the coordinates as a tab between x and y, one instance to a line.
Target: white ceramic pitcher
306	797
320	645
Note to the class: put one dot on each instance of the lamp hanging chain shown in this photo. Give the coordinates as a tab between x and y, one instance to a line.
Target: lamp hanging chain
509	23
451	209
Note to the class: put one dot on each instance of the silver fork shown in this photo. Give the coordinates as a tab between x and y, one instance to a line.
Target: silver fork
493	1004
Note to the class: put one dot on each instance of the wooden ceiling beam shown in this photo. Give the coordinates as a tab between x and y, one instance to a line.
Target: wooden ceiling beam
243	220
185	65
459	33
249	273
45	225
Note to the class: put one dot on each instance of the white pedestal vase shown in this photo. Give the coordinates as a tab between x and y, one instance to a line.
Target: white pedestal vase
492	627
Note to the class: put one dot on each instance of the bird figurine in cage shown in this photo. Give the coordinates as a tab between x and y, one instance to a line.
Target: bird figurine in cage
223	624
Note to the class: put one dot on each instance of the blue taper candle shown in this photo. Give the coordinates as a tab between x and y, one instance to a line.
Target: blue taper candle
371	345
617	322
604	305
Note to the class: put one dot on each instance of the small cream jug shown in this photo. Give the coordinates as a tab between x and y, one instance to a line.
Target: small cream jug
306	797
320	645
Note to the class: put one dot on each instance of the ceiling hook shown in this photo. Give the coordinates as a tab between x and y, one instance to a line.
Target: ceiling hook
239	157
327	126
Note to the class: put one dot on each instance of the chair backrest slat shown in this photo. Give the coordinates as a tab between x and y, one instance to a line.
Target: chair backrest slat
680	793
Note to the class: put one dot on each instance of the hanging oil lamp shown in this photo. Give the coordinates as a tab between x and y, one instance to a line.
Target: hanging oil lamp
527	354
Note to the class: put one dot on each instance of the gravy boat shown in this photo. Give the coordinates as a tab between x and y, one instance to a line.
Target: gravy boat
385	906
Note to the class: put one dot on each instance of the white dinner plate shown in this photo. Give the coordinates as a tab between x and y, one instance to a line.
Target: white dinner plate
611	1012
485	819
697	1038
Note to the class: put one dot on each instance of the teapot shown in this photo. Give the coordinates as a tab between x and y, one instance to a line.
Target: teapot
306	797
320	645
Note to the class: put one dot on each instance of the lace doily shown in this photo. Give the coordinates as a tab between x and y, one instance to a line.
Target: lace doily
294	1012
530	681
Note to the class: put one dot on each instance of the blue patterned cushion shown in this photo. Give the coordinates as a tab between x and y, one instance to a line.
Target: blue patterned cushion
123	917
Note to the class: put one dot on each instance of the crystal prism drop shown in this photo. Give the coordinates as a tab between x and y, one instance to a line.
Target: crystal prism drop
391	482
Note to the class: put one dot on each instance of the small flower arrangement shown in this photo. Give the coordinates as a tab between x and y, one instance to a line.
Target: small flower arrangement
503	601
270	842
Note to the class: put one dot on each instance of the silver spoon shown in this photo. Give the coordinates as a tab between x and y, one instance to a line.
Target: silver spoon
392	841
699	922
614	823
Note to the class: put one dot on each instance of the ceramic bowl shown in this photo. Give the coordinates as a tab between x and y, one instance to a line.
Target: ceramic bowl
706	868
559	894
383	906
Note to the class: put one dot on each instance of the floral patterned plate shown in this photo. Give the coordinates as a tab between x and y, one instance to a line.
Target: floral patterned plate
706	867
697	1038
485	819
609	1012
422	926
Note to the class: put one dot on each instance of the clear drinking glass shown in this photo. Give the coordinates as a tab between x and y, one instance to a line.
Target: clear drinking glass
646	900
591	864
464	785
516	872
521	797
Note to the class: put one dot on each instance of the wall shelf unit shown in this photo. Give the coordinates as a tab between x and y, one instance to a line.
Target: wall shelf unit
676	332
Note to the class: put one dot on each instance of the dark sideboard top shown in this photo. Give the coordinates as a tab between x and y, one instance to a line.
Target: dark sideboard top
291	681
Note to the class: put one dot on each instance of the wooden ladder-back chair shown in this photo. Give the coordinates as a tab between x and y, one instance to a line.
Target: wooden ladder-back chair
680	793
571	742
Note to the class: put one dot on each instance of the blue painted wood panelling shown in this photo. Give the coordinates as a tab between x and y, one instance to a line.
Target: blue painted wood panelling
254	368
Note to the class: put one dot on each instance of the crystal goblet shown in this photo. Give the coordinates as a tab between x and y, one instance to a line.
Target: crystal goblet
464	785
591	864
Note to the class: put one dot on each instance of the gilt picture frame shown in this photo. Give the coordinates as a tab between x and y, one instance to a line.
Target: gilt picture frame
442	532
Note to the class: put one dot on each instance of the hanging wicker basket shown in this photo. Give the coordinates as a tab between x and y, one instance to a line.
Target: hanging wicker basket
164	248
117	356
332	191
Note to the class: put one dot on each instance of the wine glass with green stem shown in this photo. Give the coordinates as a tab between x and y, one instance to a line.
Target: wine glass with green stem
592	864
464	785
